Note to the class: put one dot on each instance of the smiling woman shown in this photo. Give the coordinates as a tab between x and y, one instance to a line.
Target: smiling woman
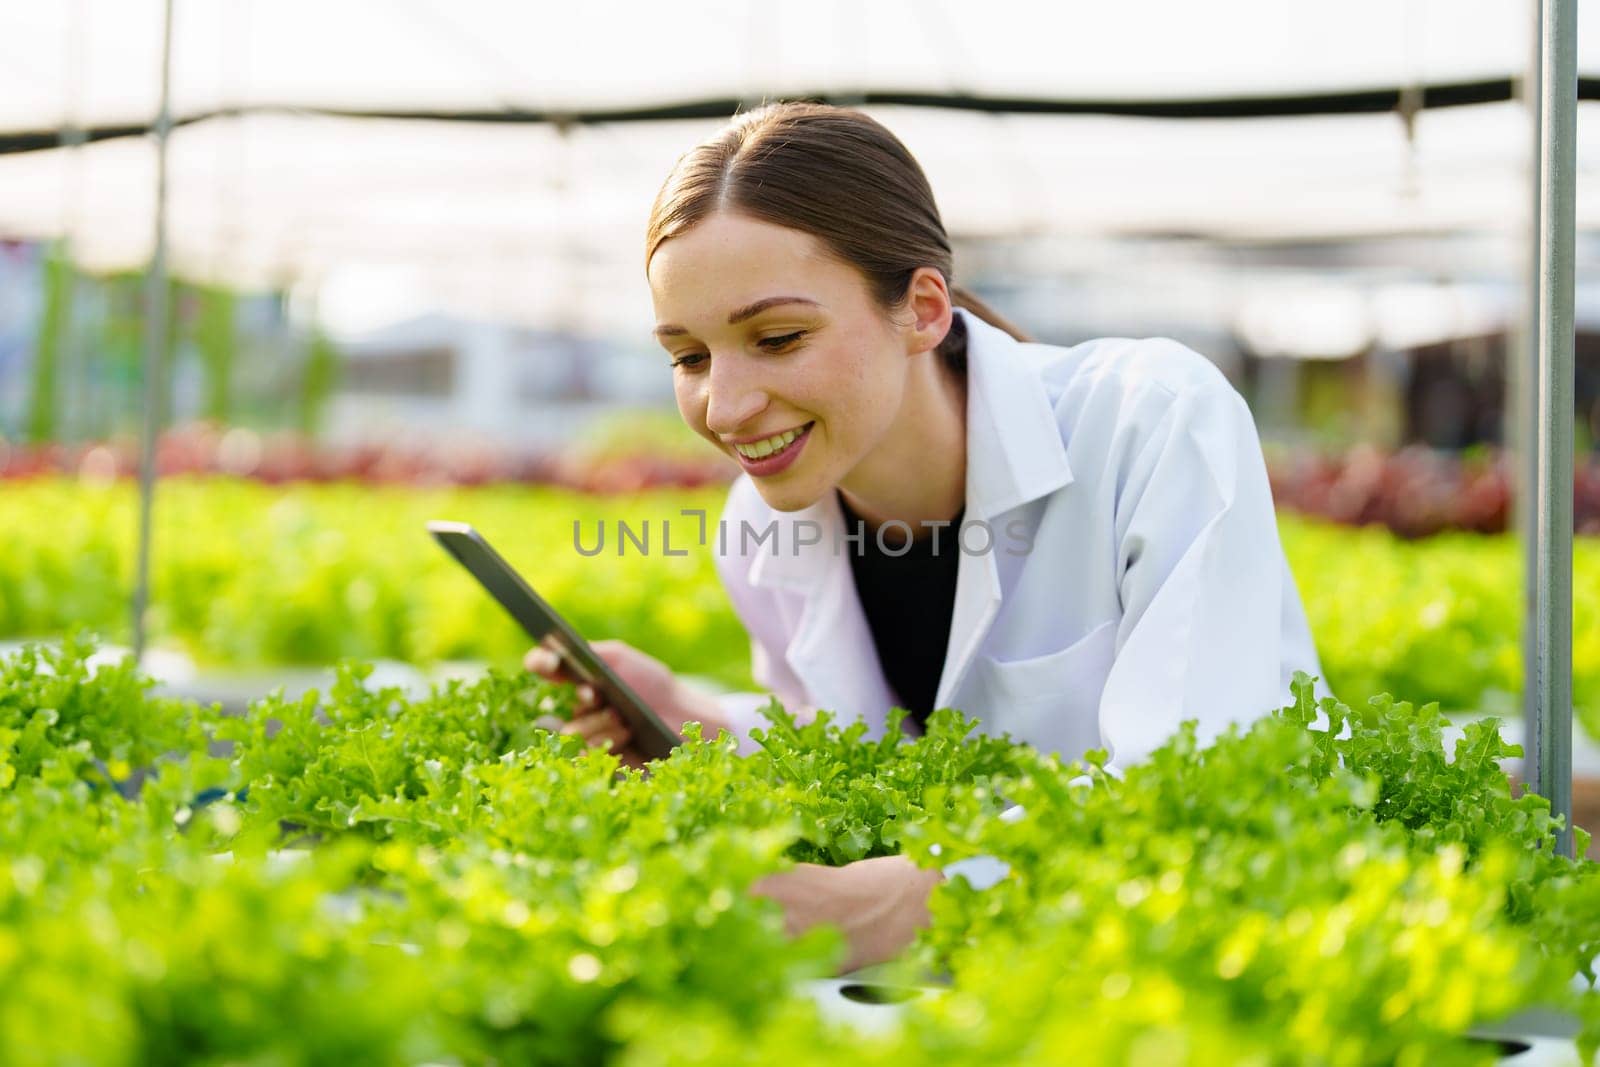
802	283
823	197
866	384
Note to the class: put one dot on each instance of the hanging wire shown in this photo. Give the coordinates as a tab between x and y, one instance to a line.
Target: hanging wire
1412	96
229	98
75	382
231	188
156	313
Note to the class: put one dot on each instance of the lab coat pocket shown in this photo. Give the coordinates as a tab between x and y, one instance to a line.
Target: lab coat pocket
1053	700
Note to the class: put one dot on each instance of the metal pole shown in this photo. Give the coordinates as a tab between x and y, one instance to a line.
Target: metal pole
155	340
1523	419
1558	89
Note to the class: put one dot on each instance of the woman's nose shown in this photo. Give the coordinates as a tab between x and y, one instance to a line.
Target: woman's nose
735	395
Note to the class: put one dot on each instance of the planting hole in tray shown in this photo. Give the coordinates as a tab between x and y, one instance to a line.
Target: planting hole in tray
862	993
1507	1046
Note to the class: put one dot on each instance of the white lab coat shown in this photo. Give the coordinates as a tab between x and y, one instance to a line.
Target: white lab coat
1155	589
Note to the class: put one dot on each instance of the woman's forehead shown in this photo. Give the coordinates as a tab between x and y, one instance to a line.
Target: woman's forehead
723	264
739	242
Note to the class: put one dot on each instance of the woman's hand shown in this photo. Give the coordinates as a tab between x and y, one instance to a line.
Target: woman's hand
879	903
675	702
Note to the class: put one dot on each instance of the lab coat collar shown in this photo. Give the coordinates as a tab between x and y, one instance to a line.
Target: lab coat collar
1015	454
1014	449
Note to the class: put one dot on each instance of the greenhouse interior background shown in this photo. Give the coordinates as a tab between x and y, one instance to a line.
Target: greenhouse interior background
282	282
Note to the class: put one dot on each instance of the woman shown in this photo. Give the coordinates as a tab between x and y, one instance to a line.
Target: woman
1076	546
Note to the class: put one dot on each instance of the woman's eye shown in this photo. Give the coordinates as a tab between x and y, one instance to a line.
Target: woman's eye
691	360
775	344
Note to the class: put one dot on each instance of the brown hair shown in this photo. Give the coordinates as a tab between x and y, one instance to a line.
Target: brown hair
833	173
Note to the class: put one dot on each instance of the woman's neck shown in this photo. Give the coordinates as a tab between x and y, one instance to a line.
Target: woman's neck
918	473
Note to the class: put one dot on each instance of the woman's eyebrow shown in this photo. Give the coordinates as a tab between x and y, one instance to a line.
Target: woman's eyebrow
746	312
751	310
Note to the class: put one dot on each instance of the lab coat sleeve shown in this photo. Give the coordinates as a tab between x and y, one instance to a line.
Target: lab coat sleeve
1207	630
759	613
742	711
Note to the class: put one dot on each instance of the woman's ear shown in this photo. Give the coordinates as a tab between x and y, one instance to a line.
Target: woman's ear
927	302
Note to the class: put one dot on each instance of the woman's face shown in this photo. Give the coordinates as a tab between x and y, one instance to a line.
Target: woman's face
770	337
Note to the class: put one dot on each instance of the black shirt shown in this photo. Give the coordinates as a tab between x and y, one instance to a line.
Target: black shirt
908	600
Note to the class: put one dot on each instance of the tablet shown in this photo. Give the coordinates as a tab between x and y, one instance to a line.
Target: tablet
651	737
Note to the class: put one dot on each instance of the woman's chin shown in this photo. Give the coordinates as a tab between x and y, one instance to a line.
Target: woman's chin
788	498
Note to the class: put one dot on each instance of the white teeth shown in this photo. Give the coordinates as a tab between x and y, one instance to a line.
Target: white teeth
760	449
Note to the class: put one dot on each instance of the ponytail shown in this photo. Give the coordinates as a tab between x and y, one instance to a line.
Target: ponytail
953	349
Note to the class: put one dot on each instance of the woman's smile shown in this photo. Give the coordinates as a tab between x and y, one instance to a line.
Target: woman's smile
773	455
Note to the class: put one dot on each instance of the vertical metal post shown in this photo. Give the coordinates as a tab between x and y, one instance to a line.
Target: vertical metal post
1558	90
155	340
1523	419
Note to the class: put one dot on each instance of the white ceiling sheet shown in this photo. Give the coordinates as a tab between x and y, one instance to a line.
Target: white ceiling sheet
523	222
97	60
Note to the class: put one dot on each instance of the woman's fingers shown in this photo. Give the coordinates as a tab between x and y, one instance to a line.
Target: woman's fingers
542	661
592	720
599	726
